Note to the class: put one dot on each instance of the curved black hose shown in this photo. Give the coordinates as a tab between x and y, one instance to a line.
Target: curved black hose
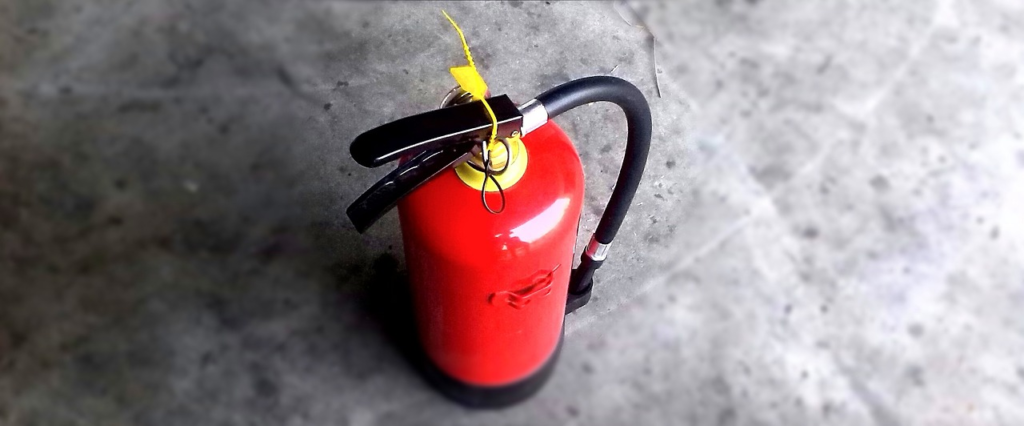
638	141
638	137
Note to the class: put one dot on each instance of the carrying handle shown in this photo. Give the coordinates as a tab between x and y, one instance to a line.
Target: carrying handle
435	130
638	141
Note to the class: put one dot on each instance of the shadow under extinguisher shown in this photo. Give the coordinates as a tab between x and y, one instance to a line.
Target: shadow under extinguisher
388	302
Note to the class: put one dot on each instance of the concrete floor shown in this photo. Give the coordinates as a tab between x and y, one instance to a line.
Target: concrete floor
831	229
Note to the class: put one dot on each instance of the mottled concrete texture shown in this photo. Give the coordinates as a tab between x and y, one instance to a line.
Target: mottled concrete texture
830	231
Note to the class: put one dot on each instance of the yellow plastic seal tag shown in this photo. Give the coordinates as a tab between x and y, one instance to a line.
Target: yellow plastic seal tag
515	157
469	79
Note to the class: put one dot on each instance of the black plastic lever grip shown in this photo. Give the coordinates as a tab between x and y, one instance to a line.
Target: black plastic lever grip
383	195
435	129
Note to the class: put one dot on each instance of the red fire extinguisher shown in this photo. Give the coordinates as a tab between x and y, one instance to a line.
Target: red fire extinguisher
489	231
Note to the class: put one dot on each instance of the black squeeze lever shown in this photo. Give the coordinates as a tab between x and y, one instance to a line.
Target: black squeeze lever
435	129
435	140
383	195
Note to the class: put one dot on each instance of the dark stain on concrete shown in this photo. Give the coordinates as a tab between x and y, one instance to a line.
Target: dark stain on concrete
223	312
825	65
915	330
726	416
572	411
915	373
207	236
880	411
265	388
771	174
589	369
892	223
880	184
140	106
718	385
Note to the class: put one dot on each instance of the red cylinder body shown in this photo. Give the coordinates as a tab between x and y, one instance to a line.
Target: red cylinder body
490	289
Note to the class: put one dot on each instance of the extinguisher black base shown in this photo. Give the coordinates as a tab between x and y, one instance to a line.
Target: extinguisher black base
579	298
484	397
576	300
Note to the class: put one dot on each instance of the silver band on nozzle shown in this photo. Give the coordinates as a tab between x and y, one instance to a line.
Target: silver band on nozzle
596	250
534	115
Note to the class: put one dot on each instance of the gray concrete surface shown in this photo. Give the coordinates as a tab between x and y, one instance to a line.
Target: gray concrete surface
830	230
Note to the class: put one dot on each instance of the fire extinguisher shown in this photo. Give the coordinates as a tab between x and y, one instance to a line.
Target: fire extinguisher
489	231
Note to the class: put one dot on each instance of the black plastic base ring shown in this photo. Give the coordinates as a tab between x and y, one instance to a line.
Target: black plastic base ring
577	300
473	396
